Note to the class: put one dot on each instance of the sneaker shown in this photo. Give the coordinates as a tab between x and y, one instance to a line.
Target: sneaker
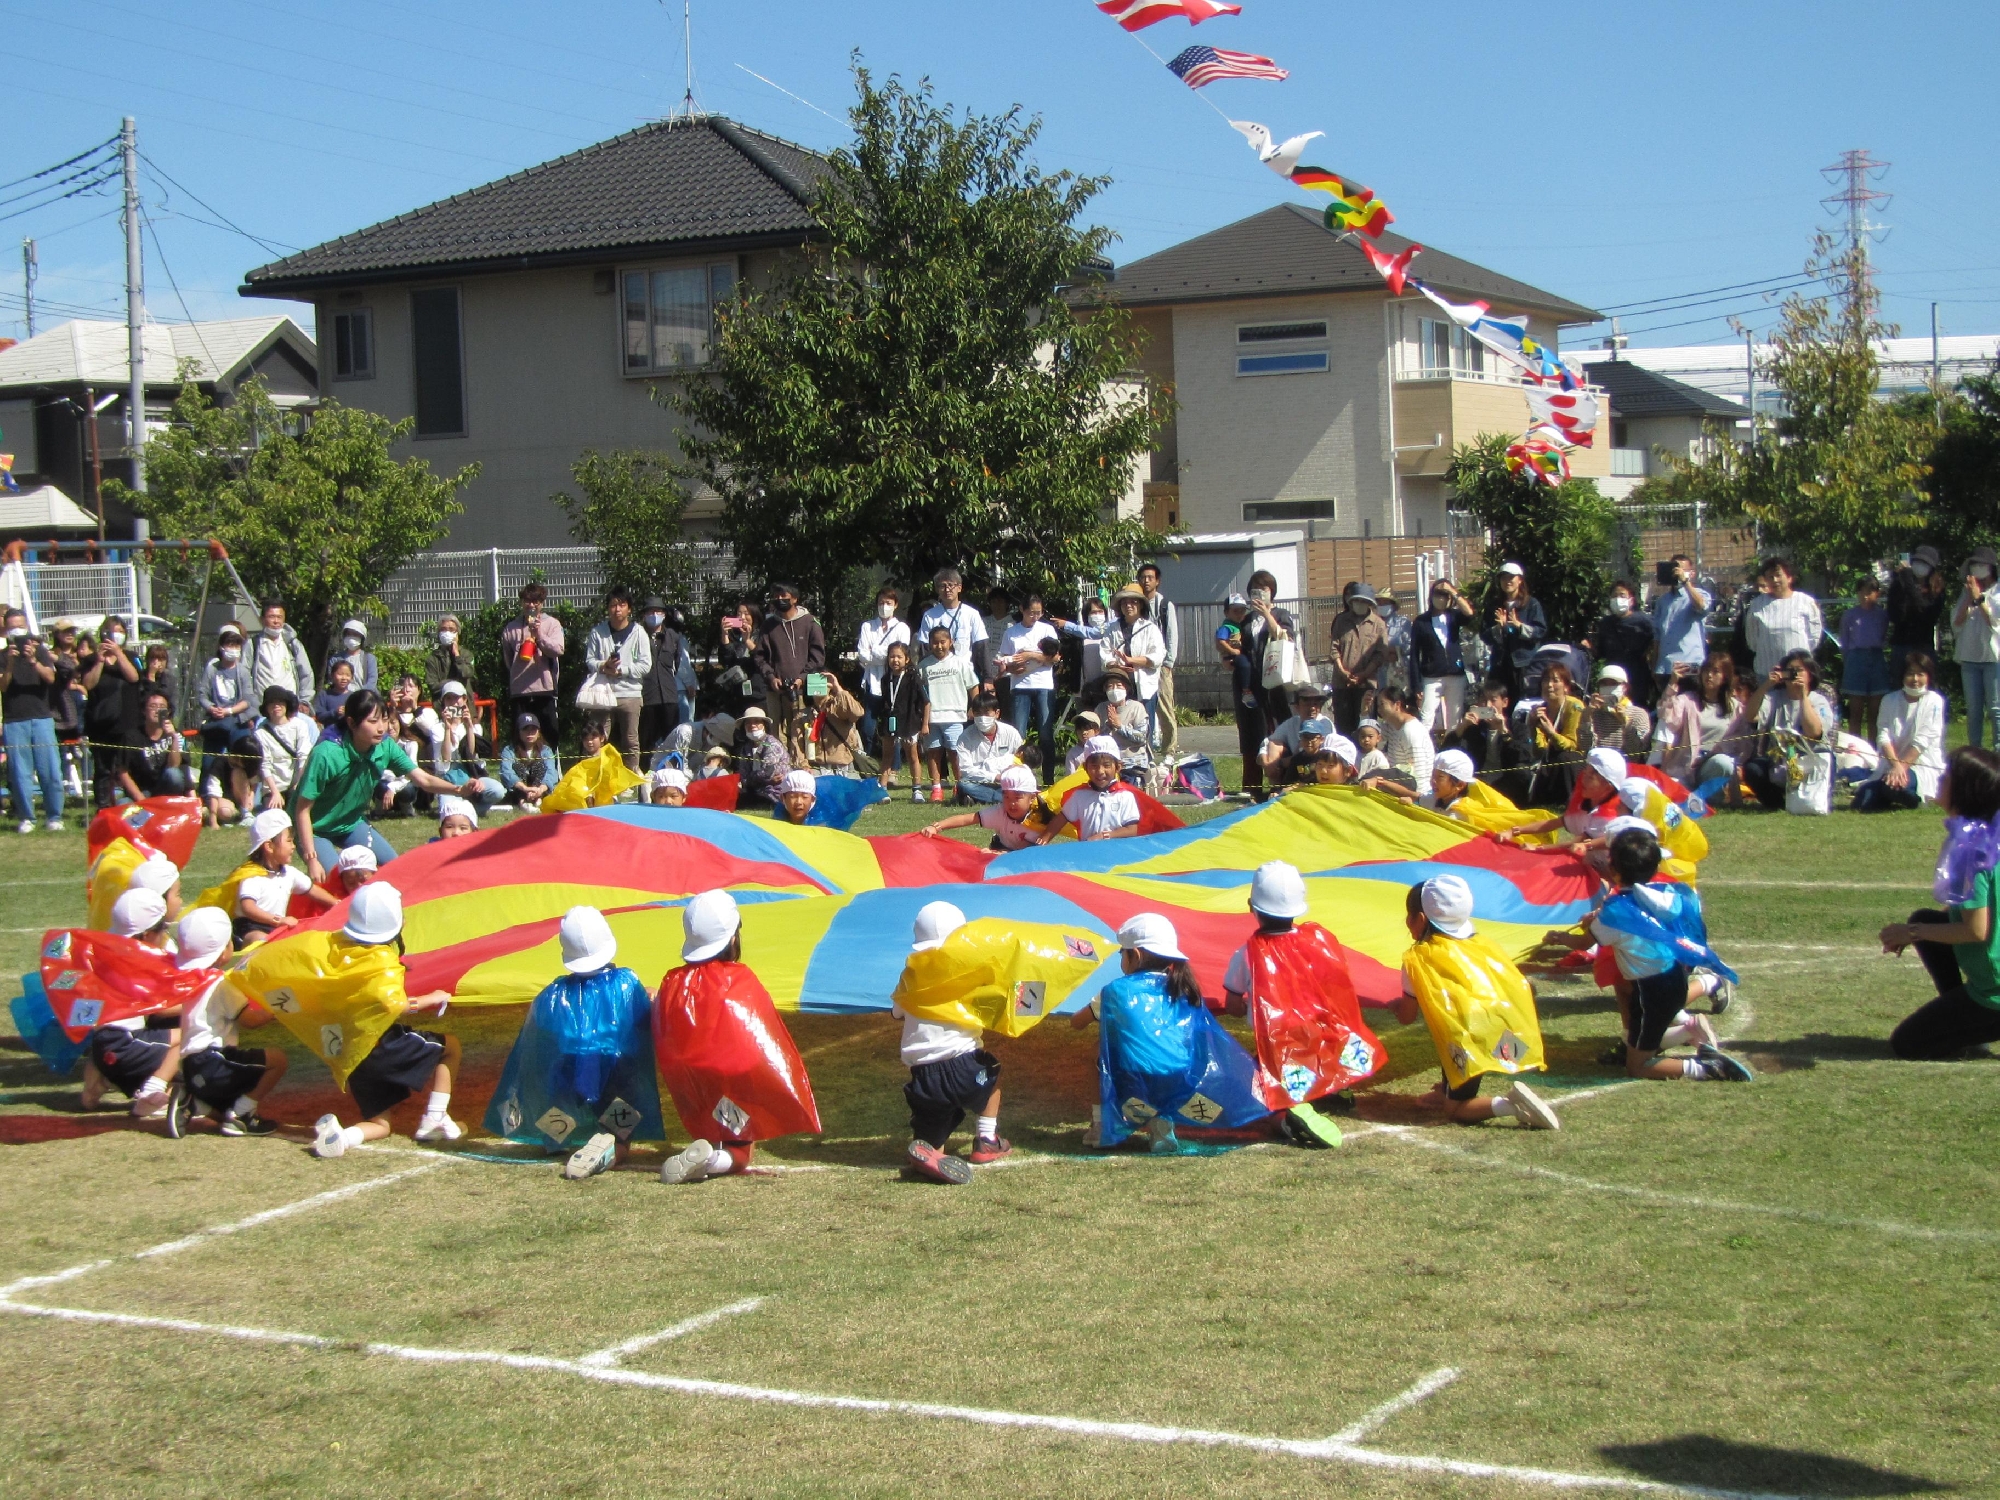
179	1110
328	1142
443	1128
1720	997
690	1165
989	1148
1161	1137
246	1125
1531	1109
150	1106
937	792
926	1161
54	825
592	1157
27	826
1310	1128
1720	1066
916	794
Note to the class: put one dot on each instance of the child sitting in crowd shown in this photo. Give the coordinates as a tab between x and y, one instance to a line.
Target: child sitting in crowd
333	697
139	1057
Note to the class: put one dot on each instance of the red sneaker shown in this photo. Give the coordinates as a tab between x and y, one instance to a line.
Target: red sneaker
989	1148
937	792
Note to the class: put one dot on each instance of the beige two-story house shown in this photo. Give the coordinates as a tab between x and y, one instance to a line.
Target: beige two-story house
1309	396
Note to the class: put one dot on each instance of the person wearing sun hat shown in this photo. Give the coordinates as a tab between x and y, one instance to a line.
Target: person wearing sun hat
1104	808
582	1067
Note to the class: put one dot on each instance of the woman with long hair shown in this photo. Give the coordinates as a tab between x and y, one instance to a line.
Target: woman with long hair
1515	625
1561	734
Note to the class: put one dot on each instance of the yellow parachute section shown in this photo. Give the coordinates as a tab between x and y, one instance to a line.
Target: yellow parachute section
1682	843
336	996
996	975
596	782
1490	811
1479	1009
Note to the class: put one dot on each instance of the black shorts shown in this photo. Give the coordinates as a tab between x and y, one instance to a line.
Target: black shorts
400	1063
220	1076
1466	1090
128	1058
940	1093
1656	1000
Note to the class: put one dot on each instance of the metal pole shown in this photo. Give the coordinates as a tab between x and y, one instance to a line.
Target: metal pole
1937	386
1697	538
493	575
135	307
1750	383
96	456
31	267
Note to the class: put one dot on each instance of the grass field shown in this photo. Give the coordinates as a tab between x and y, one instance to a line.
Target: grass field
1787	1287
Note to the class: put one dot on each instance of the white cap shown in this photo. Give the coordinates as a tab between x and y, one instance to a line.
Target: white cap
1607	763
799	781
137	912
671	776
1448	903
375	915
1612	672
449	688
204	936
457	807
587	942
1632	793
1345	748
354	627
708	922
157	874
935	922
1017	779
1278	890
1101	744
1151	933
1316	725
357	857
1456	764
266	826
1628	824
1515	568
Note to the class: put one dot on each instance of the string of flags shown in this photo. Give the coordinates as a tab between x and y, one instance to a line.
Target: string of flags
1563	413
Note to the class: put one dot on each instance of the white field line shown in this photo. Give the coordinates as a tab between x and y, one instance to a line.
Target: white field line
1336	1449
1811	947
605	1358
1723	883
1423	1390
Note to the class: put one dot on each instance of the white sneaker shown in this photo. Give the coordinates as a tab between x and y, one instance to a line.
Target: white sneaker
592	1157
1531	1109
328	1141
27	826
55	825
690	1165
443	1128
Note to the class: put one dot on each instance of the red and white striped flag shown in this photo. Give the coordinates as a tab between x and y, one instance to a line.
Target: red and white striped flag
1136	15
1203	65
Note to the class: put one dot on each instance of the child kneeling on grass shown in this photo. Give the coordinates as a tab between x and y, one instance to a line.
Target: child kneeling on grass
1479	1009
950	1073
222	1081
403	1059
1655	931
139	1057
1005	820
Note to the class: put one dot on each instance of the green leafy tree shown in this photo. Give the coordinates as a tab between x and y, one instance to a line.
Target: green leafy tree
1962	490
630	511
1835	480
917	391
313	509
1561	534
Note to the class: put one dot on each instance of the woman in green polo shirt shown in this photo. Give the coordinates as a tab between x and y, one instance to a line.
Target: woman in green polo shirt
1959	947
341	781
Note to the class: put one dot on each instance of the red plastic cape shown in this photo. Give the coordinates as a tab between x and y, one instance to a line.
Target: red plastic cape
727	1059
93	979
717	793
1311	1039
166	825
1154	816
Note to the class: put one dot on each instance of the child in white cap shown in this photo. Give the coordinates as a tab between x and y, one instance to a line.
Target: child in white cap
264	898
734	1072
950	1074
161	876
139	1056
1480	1011
796	795
667	787
1334	763
1005	820
220	1080
457	819
583	1063
1104	809
356	864
141	915
1593	803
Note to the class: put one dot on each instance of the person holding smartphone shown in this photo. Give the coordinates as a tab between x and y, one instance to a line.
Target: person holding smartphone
1680	620
27	692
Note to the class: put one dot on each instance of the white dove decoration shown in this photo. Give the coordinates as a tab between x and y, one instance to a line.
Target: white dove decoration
1280	159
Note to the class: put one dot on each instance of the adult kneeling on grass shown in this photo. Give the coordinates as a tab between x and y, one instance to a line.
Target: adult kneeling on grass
341	779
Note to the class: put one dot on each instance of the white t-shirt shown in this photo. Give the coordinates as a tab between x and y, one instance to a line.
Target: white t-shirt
967	628
948	684
1097	813
273	892
981	759
1919	726
1372	764
933	1041
1040	637
1011	834
872	647
210	1019
1236	978
286	747
1773	626
1410	749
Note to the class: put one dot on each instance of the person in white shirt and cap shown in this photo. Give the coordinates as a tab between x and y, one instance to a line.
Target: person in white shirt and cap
162	877
140	1056
218	1079
1580	827
263	901
796	795
1105	809
1616	722
1452	772
667	787
950	1075
1006	819
141	915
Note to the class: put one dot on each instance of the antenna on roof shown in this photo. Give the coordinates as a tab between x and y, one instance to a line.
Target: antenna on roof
687	109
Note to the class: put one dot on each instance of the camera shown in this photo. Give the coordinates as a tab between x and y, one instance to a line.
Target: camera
1663	574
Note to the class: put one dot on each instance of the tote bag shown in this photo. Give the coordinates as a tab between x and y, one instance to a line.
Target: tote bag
1285	664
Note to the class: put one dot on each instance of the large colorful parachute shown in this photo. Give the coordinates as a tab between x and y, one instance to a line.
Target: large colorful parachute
827	915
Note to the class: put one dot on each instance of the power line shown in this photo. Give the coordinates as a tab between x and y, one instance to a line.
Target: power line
161	251
75	192
1647	302
59	165
83	171
269	247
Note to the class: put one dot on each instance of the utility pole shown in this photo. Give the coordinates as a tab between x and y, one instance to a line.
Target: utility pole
1750	382
1937	384
30	269
135	305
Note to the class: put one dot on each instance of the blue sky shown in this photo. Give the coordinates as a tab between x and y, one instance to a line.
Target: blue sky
1618	154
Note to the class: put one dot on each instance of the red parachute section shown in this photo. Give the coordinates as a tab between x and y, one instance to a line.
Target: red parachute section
167	824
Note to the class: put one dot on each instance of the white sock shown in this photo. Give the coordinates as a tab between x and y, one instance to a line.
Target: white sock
244	1107
1678	1036
989	1127
435	1109
720	1163
351	1135
1691	1068
1708	980
1503	1108
150	1087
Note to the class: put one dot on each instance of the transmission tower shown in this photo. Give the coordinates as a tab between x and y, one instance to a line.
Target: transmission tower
1853	174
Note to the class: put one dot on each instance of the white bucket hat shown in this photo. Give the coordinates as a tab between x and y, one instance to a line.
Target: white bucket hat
708	922
1345	748
1607	763
1448	903
137	912
357	857
266	826
203	935
1101	744
587	943
354	627
457	807
1632	792
671	776
936	922
1278	890
158	874
375	915
1151	933
1456	764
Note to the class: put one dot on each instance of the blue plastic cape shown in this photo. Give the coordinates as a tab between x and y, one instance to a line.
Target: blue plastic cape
38	1027
1668	917
583	1061
1160	1056
838	800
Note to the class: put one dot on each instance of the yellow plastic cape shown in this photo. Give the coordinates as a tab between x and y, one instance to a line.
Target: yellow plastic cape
230	891
1050	802
336	996
109	878
591	783
996	975
1490	811
1682	843
1479	1009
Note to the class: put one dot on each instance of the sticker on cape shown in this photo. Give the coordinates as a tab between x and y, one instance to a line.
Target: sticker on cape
1297	1078
1460	1058
1029	996
1137	1111
510	1115
1357	1057
1510	1049
283	1001
1202	1110
1080	947
729	1115
556	1125
331	1042
57	947
85	1013
620	1118
67	980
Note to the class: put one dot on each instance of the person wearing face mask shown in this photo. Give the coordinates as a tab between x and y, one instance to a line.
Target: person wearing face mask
1437	657
1615	720
1395	672
1911	741
224	703
1975	631
1918	598
109	678
1091	631
353	649
278	657
448	660
1360	651
881	630
986	748
1625	635
1134	643
660	698
1126	722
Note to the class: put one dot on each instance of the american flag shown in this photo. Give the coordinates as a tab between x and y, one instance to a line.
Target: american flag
1203	65
1135	15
